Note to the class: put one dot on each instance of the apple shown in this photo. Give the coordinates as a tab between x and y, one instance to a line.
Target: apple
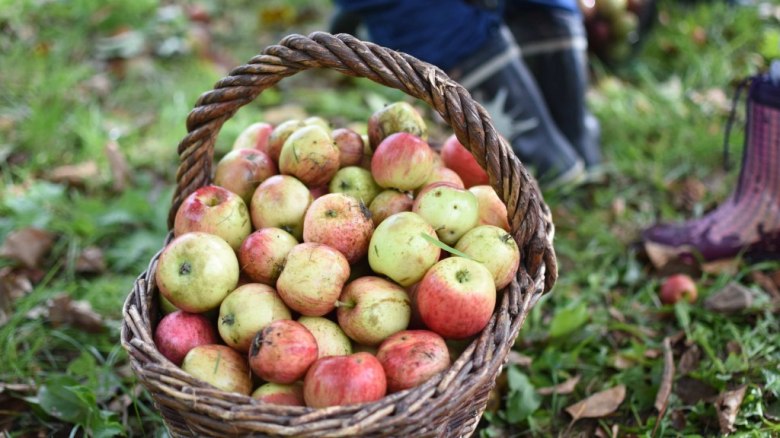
341	222
368	153
388	203
494	248
242	170
350	145
411	357
166	306
277	394
312	278
456	298
331	339
280	201
492	210
402	161
246	311
677	286
450	210
196	271
317	192
396	117
443	174
262	254
310	155
371	308
317	121
282	352
399	250
459	159
356	182
219	366
279	135
179	332
254	136
214	210
344	380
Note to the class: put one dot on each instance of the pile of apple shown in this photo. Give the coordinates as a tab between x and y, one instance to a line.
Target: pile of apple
325	267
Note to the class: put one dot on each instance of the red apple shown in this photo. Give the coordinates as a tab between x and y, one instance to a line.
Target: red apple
179	332
317	192
400	249
262	254
310	155
388	203
242	170
255	136
396	117
282	352
277	394
459	159
676	287
495	249
279	135
402	161
219	366
450	210
344	380
280	201
341	222
456	298
214	210
370	309
246	311
411	357
492	210
312	278
350	145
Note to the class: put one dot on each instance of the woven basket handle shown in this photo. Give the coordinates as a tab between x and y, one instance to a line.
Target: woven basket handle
528	216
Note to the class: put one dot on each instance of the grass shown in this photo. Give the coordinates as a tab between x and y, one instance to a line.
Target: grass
70	88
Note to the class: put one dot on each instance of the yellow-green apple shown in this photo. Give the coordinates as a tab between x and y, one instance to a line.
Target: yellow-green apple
350	145
242	170
219	366
166	306
344	380
262	254
411	357
317	121
676	287
179	332
494	248
282	352
388	203
402	161
442	174
356	182
312	278
280	201
459	159
396	117
371	308
456	297
310	155
196	271
341	222
399	250
279	135
450	210
214	210
254	136
246	311
492	210
331	339
278	394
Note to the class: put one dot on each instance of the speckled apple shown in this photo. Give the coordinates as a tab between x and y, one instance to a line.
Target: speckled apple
282	352
370	309
246	311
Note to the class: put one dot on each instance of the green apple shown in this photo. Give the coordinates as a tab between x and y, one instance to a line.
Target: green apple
331	339
280	201
370	309
279	135
356	182
310	155
312	278
220	366
399	250
278	394
245	311
494	248
396	117
450	210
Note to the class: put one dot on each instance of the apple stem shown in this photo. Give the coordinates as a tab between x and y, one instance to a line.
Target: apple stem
348	305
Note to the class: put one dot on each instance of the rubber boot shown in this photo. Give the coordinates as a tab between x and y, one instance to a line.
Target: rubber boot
497	77
554	46
748	222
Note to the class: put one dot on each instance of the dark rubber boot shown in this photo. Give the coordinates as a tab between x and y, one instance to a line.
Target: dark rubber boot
749	220
554	46
498	79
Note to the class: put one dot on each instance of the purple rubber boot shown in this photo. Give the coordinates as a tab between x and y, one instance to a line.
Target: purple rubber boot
748	222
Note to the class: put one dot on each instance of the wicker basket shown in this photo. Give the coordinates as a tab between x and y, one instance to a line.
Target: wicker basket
449	404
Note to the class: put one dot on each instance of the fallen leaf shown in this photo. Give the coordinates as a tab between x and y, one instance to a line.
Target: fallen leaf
64	311
519	359
622	362
667	382
74	174
651	353
615	313
27	246
618	207
721	267
732	298
691	390
679	419
12	287
91	261
727	406
599	404
120	171
566	387
689	361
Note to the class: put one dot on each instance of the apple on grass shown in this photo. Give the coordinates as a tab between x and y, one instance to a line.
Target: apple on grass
356	182
179	332
411	357
350	145
214	210
396	117
282	352
459	159
312	278
246	311
196	271
278	394
678	286
456	298
219	366
400	249
281	202
242	170
450	210
254	136
402	161
371	308
341	222
263	253
310	155
331	339
494	248
344	380
492	210
388	203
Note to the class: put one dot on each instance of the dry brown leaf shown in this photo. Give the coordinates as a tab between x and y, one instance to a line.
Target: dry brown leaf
74	174
721	267
727	406
27	246
731	299
689	361
622	362
13	285
691	390
519	359
651	353
618	207
64	311
120	171
566	387
91	261
599	404
615	313
767	283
